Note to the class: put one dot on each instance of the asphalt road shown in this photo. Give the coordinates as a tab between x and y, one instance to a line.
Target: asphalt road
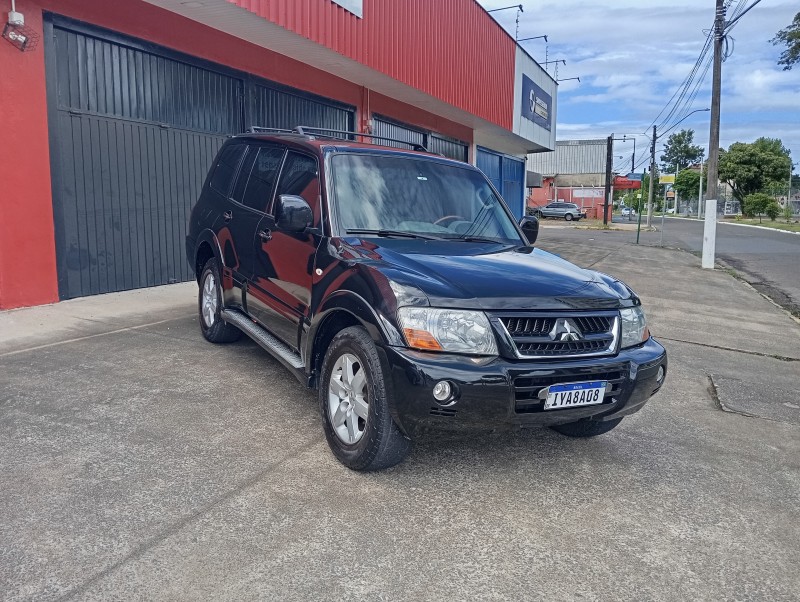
141	462
767	259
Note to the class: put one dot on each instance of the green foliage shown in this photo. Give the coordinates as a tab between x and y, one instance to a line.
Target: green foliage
788	214
748	168
756	204
773	210
789	37
687	183
680	151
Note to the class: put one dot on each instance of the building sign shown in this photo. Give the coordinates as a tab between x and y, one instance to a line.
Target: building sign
354	6
666	178
587	193
536	103
623	183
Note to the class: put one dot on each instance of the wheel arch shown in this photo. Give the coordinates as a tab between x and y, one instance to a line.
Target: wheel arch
207	247
342	310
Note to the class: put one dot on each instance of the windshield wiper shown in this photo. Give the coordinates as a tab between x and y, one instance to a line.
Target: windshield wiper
478	239
392	233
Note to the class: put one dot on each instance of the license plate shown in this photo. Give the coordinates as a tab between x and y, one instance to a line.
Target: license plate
570	395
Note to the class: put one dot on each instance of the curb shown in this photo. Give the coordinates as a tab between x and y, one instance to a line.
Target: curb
694	219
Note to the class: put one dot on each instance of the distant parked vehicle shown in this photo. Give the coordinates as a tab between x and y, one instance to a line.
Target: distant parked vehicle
626	211
567	211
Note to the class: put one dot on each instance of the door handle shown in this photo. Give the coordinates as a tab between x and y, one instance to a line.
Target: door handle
227	216
265	235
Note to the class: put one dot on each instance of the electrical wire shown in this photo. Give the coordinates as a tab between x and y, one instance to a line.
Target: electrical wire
685	85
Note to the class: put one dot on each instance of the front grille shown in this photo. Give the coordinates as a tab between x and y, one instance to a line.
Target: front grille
538	335
526	389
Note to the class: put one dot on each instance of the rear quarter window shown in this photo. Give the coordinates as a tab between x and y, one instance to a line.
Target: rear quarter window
225	168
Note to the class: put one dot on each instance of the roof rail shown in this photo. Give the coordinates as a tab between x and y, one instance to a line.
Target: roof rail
301	129
255	129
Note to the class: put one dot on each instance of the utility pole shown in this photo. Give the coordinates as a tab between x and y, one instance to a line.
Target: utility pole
609	167
700	195
652	177
710	228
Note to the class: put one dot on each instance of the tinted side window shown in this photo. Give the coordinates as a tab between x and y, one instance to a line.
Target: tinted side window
301	177
244	174
224	170
258	192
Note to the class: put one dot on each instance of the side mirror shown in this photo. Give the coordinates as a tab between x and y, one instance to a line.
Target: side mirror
530	228
293	213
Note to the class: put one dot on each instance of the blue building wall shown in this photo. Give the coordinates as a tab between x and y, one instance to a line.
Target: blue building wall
508	176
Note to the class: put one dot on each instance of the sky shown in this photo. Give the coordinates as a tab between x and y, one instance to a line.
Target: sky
633	55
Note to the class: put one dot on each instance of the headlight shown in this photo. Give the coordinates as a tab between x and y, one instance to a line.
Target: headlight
634	327
454	330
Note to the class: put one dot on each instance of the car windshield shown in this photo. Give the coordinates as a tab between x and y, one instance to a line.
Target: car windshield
391	194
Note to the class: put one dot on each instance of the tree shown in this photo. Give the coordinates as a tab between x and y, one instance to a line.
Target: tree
790	37
756	204
788	214
773	210
680	151
749	168
687	183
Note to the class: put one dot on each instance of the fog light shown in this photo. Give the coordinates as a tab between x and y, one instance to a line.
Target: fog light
442	391
660	374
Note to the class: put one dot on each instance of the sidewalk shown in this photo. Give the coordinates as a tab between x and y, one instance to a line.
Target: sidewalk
746	346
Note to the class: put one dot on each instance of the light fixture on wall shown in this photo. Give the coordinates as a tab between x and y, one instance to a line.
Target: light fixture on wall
17	33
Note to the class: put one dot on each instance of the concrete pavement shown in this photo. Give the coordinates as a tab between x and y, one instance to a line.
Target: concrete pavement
140	462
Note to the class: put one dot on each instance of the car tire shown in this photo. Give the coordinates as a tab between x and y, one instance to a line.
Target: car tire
568	217
586	428
209	306
353	398
538	215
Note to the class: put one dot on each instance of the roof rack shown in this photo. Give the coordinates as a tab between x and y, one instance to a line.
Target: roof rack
301	130
257	129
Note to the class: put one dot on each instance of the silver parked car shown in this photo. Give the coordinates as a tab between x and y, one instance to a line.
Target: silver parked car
567	211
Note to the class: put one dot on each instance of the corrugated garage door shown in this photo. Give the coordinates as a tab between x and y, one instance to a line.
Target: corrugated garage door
277	108
435	143
134	129
508	176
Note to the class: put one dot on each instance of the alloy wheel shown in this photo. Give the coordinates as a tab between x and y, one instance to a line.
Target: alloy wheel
348	407
208	308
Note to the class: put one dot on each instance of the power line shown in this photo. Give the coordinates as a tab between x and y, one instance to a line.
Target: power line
690	83
685	84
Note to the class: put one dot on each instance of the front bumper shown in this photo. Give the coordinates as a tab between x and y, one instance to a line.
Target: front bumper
500	393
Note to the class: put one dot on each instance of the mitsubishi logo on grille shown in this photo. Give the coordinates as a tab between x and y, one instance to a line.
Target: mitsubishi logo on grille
565	330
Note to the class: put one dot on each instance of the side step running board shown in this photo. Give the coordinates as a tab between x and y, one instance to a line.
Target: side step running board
265	339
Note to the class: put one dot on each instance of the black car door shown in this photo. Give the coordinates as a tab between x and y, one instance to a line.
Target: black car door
280	294
247	204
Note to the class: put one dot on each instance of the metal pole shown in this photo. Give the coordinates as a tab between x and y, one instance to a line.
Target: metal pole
675	190
710	228
700	195
652	177
609	167
633	156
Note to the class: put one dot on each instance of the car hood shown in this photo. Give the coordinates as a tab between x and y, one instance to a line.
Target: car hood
488	276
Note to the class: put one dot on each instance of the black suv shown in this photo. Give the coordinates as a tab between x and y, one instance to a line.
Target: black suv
398	284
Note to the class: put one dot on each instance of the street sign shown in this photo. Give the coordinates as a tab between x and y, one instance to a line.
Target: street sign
635	176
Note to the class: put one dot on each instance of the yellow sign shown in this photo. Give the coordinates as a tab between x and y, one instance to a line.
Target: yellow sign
667	179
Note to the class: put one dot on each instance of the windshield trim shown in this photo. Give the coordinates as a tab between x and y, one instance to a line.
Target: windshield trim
339	231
